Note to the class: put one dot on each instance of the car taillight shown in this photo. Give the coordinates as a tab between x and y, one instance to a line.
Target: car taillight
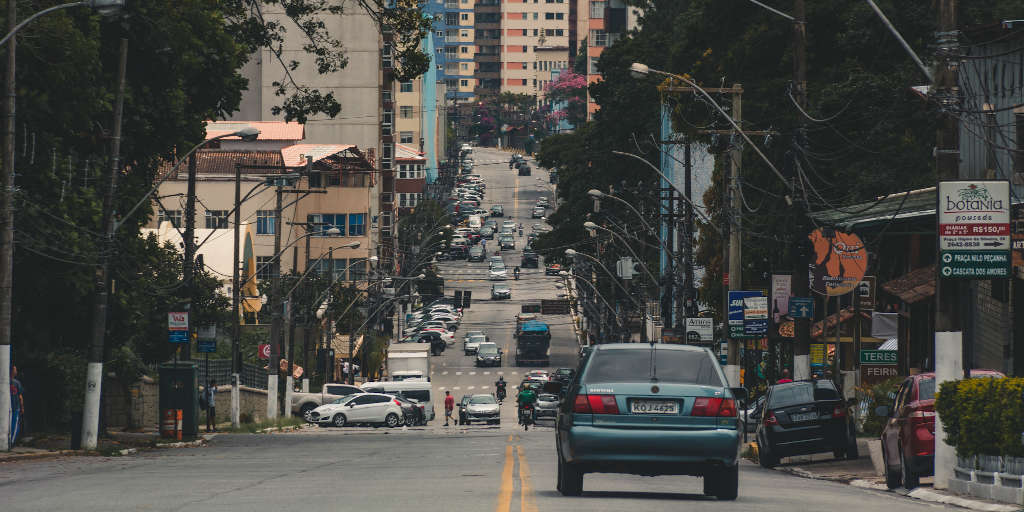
398	403
839	412
770	419
921	416
581	405
707	406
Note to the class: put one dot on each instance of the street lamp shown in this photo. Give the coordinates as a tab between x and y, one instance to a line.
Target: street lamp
103	7
596	292
592	226
597	194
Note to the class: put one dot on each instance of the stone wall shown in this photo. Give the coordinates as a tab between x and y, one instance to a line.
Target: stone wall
138	406
251	402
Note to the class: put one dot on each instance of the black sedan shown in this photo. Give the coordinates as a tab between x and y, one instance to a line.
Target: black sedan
804	417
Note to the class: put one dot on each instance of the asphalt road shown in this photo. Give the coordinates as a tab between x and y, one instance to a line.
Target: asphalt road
433	468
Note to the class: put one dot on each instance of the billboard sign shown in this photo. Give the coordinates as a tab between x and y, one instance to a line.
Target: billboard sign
702	327
736	298
840	262
781	289
974	229
755	316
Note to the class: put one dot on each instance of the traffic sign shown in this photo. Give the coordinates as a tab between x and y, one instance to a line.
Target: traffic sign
207	346
974	229
755	316
801	307
879	357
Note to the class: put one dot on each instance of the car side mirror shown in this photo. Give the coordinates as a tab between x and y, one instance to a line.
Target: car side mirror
882	410
739	393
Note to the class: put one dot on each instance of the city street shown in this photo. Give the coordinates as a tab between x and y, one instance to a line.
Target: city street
432	468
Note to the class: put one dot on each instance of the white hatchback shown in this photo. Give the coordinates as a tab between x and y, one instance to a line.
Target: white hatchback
363	408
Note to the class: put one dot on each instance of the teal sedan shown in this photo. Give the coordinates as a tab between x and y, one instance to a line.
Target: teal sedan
650	409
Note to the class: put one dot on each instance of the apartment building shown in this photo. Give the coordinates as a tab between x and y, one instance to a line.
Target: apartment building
454	46
422	114
606	22
411	179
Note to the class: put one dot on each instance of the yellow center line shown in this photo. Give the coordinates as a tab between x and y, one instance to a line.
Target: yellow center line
526	501
515	196
505	493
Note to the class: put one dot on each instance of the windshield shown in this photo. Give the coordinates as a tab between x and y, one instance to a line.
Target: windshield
477	338
926	389
488	349
632	365
482	399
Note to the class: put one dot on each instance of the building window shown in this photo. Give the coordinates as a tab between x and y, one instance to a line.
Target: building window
406	86
216	219
264	268
464	49
265	222
464	67
524	81
385	95
465	17
357	269
534	16
593	65
451	83
451	18
385	123
385	224
356	224
524	49
549	15
598	38
385	57
465	83
323	222
405	137
172	216
405	112
559	32
597	9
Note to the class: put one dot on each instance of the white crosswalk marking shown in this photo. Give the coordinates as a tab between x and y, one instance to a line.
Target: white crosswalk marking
458	373
501	373
444	372
483	388
456	388
471	387
487	373
472	373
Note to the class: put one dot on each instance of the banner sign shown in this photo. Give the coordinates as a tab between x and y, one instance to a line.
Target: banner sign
177	327
755	316
781	289
866	293
703	327
736	307
840	262
878	357
974	229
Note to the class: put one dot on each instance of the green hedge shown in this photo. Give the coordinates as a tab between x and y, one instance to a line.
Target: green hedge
983	416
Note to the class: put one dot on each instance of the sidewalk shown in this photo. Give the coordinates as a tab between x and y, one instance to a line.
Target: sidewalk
866	474
115	444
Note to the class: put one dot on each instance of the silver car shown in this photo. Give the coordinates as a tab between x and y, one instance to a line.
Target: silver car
547	405
483	408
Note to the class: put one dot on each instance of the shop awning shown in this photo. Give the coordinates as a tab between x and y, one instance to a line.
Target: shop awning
914	286
901	205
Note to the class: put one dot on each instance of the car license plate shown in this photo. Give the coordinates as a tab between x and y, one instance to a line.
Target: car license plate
654	407
807	416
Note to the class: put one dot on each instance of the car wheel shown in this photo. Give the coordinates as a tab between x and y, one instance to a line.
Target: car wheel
839	453
410	421
723	483
391	420
910	479
306	411
892	478
338	420
570	479
852	452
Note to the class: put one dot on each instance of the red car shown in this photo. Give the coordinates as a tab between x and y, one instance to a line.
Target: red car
908	438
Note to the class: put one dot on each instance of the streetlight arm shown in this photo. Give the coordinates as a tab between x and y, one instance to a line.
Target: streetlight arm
38	14
631	251
170	173
598	293
610	274
663	177
650	229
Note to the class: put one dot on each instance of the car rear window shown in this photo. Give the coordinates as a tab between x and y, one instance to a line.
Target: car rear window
926	389
785	395
629	365
420	395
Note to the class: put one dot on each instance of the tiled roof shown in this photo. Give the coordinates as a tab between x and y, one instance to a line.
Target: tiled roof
914	286
295	155
223	162
403	152
269	130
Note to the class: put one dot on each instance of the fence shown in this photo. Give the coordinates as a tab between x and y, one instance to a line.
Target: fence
252	375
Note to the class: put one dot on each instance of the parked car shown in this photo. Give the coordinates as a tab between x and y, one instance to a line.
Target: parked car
552	270
412	411
482	408
488	354
420	390
547	405
362	408
682	421
908	438
538	212
543	203
805	417
462	408
304	403
500	291
752	416
497	210
563	375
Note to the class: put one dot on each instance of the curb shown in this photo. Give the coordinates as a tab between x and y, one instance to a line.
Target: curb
14	457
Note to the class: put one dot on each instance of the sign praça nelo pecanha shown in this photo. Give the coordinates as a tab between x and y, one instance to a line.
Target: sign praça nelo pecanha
974	229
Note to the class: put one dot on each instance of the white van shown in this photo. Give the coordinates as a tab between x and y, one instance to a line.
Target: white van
475	223
416	389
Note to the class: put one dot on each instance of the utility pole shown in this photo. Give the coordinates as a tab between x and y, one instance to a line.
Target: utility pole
236	292
94	371
275	311
801	286
688	304
732	368
189	262
7	237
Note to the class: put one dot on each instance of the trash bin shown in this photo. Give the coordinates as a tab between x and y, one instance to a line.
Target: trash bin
170	424
179	390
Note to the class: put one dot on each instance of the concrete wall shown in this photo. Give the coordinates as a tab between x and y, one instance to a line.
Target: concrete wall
138	407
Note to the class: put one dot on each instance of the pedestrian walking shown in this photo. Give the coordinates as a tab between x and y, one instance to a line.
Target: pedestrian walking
210	394
785	377
449	406
17	413
345	367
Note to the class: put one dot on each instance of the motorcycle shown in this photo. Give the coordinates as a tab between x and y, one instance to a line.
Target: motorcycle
516	274
501	394
526	416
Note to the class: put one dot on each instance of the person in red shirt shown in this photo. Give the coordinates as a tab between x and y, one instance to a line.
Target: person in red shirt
449	406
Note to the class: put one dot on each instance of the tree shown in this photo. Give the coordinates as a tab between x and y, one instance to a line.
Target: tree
568	97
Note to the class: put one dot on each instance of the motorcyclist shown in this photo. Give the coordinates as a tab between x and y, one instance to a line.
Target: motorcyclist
527	397
499	385
515	271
